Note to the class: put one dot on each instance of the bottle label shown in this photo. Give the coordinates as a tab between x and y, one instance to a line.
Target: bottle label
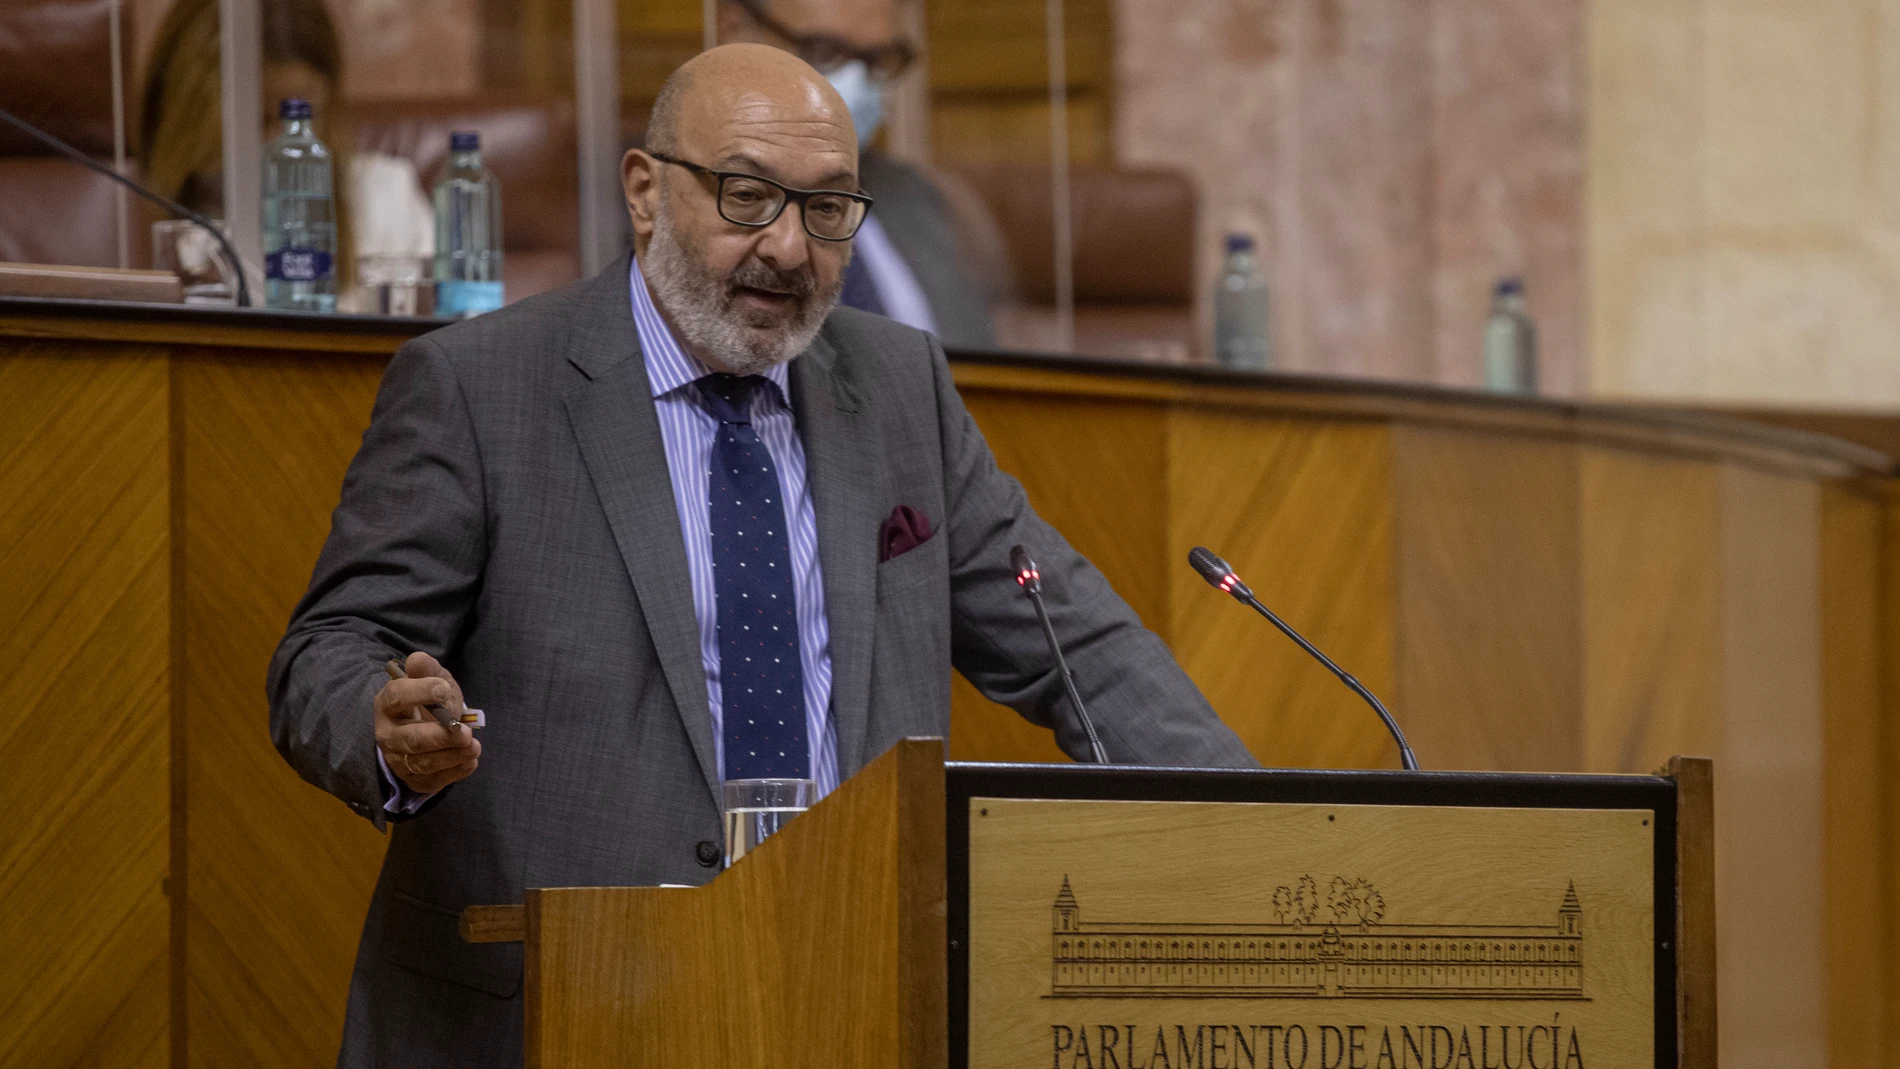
298	265
457	297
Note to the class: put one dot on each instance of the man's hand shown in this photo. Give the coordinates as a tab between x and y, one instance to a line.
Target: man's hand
425	755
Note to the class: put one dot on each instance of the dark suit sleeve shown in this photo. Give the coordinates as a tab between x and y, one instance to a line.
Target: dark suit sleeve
399	573
1145	708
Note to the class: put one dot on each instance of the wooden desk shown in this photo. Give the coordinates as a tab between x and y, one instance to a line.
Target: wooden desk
1531	585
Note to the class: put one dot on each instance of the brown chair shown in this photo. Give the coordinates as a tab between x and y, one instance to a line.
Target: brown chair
1134	257
53	211
56	72
529	145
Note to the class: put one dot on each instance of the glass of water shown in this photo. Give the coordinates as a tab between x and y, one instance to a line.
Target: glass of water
394	286
189	251
755	808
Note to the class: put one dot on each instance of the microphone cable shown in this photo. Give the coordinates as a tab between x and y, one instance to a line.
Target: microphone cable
71	153
1221	577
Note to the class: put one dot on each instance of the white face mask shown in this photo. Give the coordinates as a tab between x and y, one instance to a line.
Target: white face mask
862	95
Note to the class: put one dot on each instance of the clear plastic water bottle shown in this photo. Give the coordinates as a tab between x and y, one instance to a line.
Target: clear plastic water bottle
1242	330
467	232
299	217
1510	342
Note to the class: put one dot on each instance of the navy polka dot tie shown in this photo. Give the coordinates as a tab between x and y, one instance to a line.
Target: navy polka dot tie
761	682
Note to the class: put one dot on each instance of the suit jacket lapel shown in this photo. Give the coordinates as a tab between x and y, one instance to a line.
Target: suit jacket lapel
619	435
844	498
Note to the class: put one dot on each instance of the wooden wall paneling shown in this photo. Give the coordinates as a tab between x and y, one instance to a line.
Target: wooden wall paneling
656	36
1302	509
1889	624
143	588
538	55
1489	615
281	873
1002	45
1889	741
1096	469
987	129
169	326
989	80
1860	904
85	691
1652	596
1879	431
1770	771
1697	997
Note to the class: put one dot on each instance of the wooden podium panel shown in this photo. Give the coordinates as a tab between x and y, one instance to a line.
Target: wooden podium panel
822	947
931	916
1243	920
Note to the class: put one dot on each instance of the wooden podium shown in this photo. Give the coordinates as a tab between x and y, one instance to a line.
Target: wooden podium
933	915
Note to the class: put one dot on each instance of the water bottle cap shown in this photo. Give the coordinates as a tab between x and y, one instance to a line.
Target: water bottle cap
1510	287
465	141
1239	242
294	108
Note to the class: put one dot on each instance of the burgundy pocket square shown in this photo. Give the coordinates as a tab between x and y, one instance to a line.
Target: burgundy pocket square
904	531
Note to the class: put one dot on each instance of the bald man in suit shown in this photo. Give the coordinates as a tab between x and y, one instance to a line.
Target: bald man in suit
684	522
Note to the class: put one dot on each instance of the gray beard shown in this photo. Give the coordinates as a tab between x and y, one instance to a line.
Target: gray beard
702	309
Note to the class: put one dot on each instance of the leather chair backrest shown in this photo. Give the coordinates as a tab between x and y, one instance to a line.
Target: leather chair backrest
53	211
1134	231
56	72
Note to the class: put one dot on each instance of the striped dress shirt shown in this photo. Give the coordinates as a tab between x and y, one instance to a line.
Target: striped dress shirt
687	430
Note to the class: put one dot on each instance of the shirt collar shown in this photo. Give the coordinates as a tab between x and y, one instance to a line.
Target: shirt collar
669	365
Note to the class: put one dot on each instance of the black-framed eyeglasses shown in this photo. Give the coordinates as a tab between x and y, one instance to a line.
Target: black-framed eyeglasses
828	53
749	200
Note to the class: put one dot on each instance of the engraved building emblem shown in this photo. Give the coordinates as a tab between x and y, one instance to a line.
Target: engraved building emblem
1337	948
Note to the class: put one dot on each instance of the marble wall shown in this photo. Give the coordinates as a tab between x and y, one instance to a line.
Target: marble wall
1704	195
1744	222
1394	158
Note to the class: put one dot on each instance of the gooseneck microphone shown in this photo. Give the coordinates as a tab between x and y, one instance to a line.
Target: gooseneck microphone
1221	577
61	147
1029	577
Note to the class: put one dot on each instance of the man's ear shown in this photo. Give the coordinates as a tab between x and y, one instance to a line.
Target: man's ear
640	179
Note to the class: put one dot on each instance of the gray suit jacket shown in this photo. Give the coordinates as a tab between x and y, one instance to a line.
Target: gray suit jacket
924	230
510	512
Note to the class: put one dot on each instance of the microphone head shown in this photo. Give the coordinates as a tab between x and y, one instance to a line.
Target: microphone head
1212	568
1217	572
1027	575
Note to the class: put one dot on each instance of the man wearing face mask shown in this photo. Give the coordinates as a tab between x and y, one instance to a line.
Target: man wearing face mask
909	264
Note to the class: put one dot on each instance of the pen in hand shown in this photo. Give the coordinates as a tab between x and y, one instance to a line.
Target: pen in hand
471	718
